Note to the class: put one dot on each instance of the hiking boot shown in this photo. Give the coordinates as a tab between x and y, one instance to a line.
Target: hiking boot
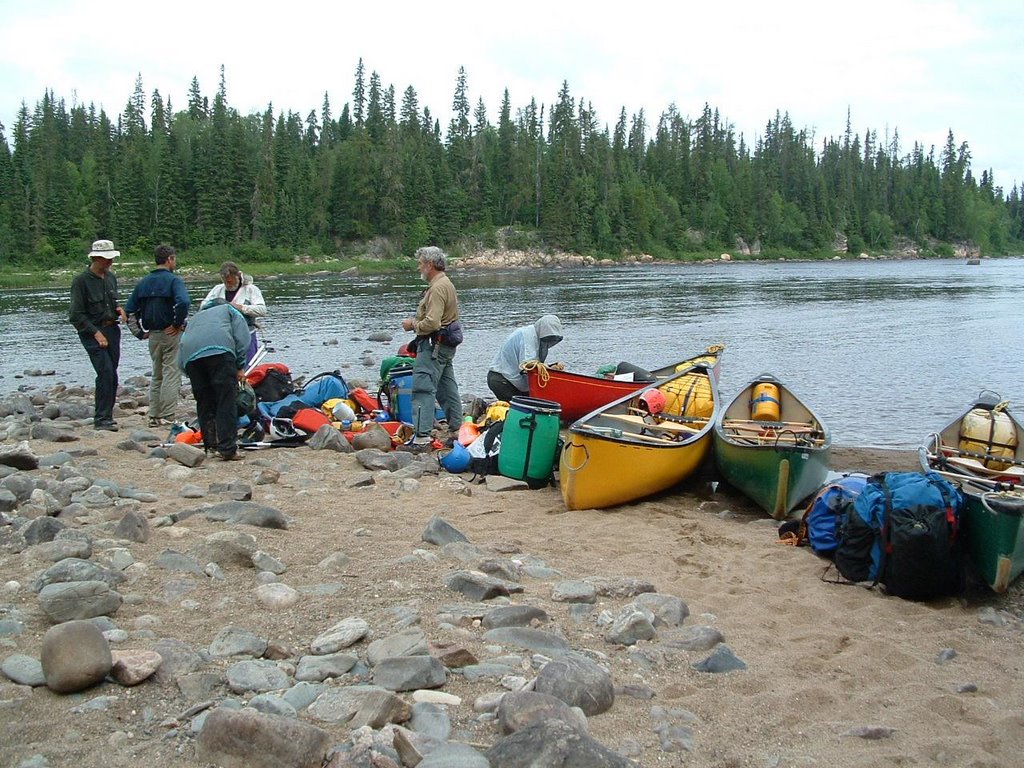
155	422
106	426
414	447
233	456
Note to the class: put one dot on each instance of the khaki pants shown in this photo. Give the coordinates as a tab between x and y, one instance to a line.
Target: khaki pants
165	388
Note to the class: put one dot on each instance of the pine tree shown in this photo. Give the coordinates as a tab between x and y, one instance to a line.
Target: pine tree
359	96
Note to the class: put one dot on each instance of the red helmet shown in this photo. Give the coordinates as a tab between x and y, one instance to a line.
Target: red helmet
654	399
403	351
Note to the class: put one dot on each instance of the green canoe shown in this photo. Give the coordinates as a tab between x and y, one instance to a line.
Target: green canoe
988	465
994	536
777	459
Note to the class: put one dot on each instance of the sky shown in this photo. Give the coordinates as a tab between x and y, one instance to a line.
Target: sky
919	67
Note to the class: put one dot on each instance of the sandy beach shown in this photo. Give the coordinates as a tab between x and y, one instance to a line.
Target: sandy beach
835	675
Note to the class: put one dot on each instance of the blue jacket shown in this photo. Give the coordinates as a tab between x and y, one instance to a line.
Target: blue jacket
159	300
215	331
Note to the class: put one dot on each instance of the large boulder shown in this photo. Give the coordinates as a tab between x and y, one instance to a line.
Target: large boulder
75	655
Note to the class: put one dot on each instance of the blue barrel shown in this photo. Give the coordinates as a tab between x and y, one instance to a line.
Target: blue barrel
529	440
400	393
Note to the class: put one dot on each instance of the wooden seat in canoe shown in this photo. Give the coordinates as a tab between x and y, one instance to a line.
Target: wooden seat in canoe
619	434
973	466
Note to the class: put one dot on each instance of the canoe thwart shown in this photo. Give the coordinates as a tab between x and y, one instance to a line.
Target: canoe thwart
638	421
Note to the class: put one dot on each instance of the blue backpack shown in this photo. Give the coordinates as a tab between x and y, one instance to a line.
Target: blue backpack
323	387
819	527
903	531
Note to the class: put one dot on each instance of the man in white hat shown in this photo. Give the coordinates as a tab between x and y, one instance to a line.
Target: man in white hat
95	313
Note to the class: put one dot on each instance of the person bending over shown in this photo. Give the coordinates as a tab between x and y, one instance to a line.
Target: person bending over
213	349
529	342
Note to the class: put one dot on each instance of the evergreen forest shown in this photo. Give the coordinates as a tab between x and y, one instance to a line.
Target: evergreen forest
263	187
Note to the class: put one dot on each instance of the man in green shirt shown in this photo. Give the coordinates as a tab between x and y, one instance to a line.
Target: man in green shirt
438	333
95	312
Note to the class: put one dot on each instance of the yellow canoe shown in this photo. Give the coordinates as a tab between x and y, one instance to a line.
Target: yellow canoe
619	453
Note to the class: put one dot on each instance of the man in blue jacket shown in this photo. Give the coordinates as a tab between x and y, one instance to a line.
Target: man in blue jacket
159	305
212	353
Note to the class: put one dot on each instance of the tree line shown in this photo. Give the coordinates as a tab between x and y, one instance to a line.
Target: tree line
264	186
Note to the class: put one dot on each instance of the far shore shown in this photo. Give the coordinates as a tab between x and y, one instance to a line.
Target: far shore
129	270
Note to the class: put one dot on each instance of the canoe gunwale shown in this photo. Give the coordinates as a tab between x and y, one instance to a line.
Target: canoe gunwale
567	386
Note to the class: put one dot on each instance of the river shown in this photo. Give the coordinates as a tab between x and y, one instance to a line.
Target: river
884	351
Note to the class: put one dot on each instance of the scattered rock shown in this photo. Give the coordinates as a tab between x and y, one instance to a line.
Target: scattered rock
23	670
343	634
186	455
78	600
440	532
249	739
19	456
132	527
721	659
408	673
521	709
479	586
579	682
553	743
133	667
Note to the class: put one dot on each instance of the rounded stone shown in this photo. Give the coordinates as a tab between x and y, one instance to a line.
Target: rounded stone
579	682
75	655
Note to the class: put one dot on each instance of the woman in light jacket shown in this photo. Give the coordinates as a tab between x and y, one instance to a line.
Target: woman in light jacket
239	290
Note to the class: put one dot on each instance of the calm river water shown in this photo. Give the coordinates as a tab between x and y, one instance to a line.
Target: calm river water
884	352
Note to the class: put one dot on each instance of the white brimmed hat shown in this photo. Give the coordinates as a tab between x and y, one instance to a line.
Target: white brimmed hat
103	249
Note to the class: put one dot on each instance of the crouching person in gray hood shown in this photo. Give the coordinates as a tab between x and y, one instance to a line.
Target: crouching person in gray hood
213	350
529	342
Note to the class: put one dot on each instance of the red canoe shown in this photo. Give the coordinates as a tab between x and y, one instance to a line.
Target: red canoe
579	393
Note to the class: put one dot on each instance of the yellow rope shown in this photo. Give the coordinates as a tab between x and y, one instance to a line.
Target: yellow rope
542	371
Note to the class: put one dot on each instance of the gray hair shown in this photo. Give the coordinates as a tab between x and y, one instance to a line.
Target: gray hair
431	254
230	268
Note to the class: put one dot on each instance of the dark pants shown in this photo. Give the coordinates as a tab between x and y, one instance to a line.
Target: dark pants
104	362
433	378
215	387
502	388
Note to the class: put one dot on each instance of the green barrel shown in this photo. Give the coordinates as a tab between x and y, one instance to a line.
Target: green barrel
529	440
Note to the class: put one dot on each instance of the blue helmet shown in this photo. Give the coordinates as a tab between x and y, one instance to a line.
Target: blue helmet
457	459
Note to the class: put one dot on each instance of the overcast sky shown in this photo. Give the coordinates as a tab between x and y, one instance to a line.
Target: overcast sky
917	66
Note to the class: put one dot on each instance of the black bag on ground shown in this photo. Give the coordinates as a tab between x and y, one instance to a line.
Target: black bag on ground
484	451
275	386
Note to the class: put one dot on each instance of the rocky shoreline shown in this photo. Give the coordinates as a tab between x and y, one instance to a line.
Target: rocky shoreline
324	605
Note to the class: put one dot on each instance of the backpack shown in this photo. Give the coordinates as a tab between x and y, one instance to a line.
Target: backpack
323	387
274	385
828	507
245	400
903	531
